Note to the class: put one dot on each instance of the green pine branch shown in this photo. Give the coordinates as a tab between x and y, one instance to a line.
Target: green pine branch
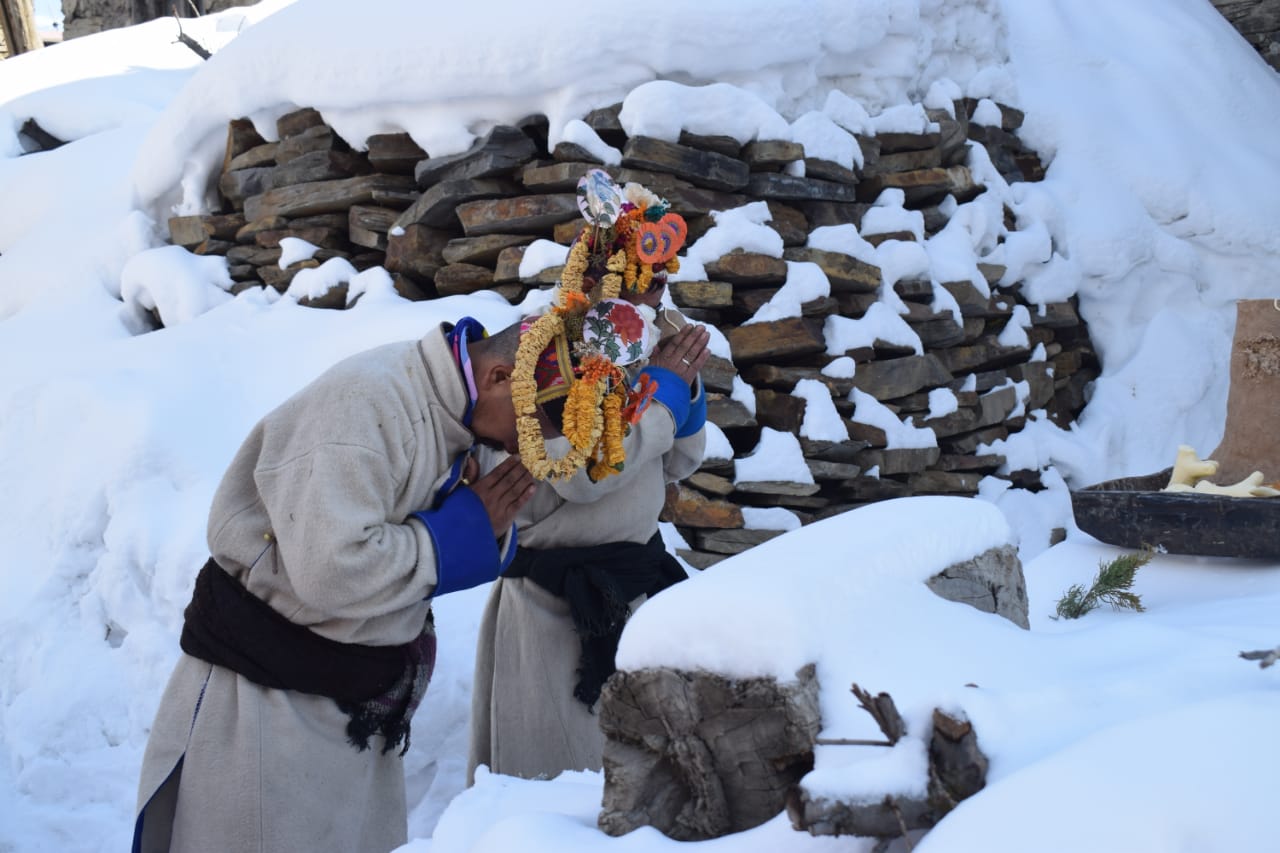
1112	585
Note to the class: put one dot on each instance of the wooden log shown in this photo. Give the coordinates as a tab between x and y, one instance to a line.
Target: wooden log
957	770
697	755
18	18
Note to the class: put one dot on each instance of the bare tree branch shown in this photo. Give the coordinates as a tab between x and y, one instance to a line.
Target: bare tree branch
1265	657
847	741
188	40
883	711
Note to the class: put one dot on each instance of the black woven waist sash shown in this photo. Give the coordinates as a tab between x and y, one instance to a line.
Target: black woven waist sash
598	582
228	626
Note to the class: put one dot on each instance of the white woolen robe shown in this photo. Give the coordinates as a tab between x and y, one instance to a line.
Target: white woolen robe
313	516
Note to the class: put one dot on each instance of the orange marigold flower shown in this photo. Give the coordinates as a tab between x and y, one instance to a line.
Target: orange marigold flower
612	438
638	399
572	301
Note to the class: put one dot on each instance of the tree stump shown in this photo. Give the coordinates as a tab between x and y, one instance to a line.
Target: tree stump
697	755
957	769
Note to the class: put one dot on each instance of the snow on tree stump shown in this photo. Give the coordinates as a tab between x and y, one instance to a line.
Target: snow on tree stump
697	755
957	770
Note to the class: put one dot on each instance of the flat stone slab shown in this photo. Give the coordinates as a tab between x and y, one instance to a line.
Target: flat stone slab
792	336
846	273
686	507
322	196
437	206
519	215
701	168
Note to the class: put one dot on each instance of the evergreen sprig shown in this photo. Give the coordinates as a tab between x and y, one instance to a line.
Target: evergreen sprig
1111	586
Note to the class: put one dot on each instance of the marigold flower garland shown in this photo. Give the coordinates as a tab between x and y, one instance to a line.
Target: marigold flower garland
610	455
583	420
599	406
524	396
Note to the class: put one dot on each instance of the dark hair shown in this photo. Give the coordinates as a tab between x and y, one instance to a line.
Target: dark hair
555	411
500	346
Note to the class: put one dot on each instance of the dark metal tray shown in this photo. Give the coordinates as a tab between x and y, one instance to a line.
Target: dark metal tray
1133	512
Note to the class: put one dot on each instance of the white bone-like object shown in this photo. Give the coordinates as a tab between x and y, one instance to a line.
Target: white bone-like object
1188	468
1242	489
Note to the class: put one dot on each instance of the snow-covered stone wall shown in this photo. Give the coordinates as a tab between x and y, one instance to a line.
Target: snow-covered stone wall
82	17
851	365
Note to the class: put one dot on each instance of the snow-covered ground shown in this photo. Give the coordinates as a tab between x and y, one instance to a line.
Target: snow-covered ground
1120	731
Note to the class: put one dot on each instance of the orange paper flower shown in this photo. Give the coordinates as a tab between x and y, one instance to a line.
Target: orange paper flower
654	243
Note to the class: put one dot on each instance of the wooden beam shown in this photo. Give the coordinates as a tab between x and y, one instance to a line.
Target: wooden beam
18	18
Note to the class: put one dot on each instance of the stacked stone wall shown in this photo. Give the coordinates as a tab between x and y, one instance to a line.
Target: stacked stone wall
461	223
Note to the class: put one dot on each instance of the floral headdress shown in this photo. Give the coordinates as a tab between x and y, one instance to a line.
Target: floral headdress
627	222
629	231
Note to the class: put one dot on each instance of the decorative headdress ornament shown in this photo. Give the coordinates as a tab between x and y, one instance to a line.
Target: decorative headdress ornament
629	231
629	220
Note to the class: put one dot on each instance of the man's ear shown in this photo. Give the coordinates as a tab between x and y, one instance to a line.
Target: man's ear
495	375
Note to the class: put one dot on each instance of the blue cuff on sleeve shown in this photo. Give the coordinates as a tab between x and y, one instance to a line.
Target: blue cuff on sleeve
697	415
510	556
466	552
673	392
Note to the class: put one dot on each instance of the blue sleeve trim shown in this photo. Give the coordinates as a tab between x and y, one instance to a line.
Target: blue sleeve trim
509	557
466	552
673	392
697	415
